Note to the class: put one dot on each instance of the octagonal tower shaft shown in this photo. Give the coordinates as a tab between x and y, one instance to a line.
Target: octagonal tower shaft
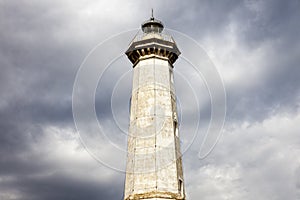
154	165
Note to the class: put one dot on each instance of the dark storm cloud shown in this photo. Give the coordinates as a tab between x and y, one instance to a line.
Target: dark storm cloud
38	69
199	18
258	24
275	24
277	88
62	186
271	29
278	91
271	20
38	65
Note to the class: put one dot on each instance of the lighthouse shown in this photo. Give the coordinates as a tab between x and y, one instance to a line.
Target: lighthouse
154	164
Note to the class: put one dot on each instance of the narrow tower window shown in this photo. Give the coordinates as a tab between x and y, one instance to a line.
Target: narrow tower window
180	187
176	129
171	76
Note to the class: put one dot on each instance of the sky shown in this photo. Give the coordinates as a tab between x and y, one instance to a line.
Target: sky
254	49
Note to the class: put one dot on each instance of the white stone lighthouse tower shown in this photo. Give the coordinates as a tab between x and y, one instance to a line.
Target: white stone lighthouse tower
154	165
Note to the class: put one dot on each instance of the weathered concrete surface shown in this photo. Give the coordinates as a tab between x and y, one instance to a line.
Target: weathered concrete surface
154	166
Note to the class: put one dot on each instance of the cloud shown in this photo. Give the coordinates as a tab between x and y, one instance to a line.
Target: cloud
55	166
251	161
254	45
